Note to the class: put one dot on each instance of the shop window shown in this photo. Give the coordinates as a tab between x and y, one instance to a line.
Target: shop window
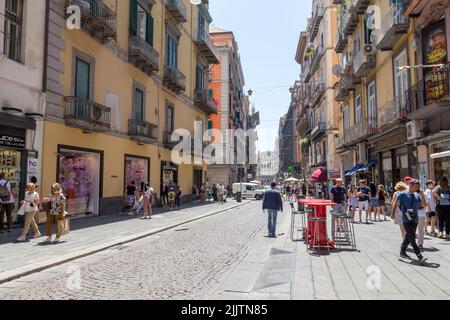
137	171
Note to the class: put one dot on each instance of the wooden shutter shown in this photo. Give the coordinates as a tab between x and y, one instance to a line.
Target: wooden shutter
133	17
149	28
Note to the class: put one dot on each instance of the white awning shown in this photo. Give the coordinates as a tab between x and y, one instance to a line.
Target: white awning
440	155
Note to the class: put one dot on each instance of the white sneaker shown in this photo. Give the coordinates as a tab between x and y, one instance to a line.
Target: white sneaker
48	240
21	239
37	236
57	240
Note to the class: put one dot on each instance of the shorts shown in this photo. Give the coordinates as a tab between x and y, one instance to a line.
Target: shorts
431	214
364	205
373	203
381	203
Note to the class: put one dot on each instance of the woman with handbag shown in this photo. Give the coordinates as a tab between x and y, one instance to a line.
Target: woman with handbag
30	208
56	214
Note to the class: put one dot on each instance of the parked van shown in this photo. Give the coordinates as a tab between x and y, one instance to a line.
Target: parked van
249	190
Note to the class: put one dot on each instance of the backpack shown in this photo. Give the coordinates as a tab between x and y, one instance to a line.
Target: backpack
5	194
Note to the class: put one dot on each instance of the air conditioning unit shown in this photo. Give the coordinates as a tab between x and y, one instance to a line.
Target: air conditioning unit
370	49
414	129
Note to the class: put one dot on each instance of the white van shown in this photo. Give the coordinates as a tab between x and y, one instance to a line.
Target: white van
249	190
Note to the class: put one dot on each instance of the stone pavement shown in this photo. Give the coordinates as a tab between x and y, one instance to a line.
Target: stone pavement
285	270
92	235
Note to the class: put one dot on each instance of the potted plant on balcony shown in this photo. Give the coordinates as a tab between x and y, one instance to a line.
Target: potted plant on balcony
310	52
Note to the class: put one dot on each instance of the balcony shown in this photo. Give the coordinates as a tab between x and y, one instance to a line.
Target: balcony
361	6
340	42
309	126
319	130
97	19
318	14
317	93
317	57
393	26
177	9
143	56
87	115
142	131
363	63
306	75
361	131
206	46
429	97
350	20
205	102
338	1
174	79
393	111
341	92
167	140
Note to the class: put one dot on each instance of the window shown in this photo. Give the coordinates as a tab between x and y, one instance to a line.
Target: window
356	45
169	119
82	78
172	47
346	113
201	25
142	22
400	79
200	78
139	104
358	111
12	43
372	103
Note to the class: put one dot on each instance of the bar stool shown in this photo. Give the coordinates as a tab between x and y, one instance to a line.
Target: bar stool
345	235
294	213
316	233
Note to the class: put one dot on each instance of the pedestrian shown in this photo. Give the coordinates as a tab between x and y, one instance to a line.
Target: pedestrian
338	195
273	203
352	197
179	194
422	213
221	193
381	210
409	202
31	205
214	193
194	193
431	208
319	190
131	195
166	194
56	212
442	196
304	190
6	203
363	200
171	198
401	187
148	201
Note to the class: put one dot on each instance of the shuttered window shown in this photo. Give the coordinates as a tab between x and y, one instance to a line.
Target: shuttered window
141	21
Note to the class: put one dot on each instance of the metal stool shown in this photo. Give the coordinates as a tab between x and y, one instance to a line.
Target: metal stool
294	214
345	234
316	233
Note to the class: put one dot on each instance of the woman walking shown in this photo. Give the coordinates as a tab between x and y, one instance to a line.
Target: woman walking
56	213
381	203
148	201
373	201
178	196
422	211
431	208
352	196
396	213
442	196
31	205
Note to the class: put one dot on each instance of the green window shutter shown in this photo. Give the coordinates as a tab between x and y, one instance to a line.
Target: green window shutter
133	17
149	29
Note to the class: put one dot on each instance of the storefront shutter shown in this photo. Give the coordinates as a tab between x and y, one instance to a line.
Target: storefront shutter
149	28
133	17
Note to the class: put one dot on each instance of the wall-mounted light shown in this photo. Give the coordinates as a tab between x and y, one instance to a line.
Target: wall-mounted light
196	2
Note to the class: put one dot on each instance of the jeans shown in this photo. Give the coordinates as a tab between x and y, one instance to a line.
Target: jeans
178	201
410	238
443	213
6	208
272	225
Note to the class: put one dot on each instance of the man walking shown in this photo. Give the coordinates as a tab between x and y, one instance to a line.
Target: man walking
221	192
409	202
272	203
6	203
363	197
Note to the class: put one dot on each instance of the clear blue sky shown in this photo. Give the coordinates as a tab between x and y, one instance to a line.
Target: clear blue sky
267	33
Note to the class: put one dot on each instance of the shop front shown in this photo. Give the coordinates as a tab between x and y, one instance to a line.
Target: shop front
169	174
80	173
441	159
137	170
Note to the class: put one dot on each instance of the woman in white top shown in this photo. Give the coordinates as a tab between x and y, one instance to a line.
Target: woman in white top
397	215
148	202
431	208
31	205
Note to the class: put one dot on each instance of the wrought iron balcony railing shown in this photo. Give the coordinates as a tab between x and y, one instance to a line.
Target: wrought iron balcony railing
87	115
363	63
393	25
318	14
174	79
143	55
177	9
206	46
361	130
319	129
142	131
204	101
393	111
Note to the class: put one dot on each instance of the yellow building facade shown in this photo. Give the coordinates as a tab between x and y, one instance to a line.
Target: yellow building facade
116	89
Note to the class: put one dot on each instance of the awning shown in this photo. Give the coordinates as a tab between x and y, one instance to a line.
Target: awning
319	175
367	166
353	170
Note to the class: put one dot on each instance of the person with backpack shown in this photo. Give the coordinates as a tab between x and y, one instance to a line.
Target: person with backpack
409	203
6	203
442	195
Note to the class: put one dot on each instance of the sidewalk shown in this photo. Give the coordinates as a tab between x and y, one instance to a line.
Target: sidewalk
282	269
91	235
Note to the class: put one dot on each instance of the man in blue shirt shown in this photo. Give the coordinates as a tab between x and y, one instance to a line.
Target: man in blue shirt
409	202
272	203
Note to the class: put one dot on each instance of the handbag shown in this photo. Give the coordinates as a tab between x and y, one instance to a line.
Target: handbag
64	226
21	211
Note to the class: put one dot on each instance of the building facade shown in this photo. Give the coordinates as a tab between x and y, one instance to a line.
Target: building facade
116	90
227	82
267	167
21	101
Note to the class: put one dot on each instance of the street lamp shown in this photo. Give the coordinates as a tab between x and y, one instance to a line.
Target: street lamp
250	92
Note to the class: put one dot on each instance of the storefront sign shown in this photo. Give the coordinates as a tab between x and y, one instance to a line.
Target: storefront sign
391	142
12	141
33	165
